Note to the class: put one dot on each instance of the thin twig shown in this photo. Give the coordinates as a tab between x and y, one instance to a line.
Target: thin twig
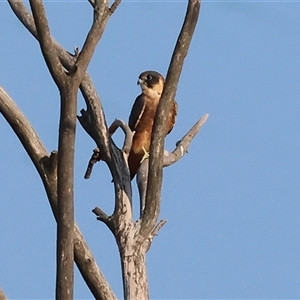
103	217
94	158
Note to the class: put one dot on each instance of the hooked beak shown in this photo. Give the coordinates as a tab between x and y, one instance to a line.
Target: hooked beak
140	81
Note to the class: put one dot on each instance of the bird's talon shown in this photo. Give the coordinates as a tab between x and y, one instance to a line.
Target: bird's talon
146	154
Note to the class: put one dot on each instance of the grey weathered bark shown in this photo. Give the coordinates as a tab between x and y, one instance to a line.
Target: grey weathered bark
147	228
152	205
46	165
168	159
68	86
134	238
86	86
65	161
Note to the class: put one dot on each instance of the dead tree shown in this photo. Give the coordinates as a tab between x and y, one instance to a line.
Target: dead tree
133	237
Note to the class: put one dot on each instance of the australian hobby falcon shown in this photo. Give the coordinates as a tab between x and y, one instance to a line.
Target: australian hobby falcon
142	116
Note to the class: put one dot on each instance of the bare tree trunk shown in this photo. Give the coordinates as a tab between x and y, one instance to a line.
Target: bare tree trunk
65	195
46	165
65	162
135	281
134	238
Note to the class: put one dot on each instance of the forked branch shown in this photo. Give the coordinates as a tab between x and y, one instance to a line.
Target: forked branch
44	164
65	170
94	106
152	205
169	158
134	238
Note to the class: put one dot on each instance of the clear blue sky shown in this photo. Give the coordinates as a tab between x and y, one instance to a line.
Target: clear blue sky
232	203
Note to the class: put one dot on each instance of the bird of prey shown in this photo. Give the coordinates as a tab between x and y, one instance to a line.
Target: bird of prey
142	116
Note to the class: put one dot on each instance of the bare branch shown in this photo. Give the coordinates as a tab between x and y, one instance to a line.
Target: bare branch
114	6
20	125
94	158
94	106
142	182
127	131
23	15
148	241
89	270
96	115
133	238
157	228
152	205
92	2
101	17
46	43
65	169
182	145
45	166
92	119
114	157
168	159
103	217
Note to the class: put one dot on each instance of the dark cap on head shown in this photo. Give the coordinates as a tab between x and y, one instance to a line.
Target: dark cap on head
150	78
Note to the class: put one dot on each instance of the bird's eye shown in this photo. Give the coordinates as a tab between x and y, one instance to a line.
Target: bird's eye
149	77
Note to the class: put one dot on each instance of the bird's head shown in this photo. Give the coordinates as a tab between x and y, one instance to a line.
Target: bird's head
152	83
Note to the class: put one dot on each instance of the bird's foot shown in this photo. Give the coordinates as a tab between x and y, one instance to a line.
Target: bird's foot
146	155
